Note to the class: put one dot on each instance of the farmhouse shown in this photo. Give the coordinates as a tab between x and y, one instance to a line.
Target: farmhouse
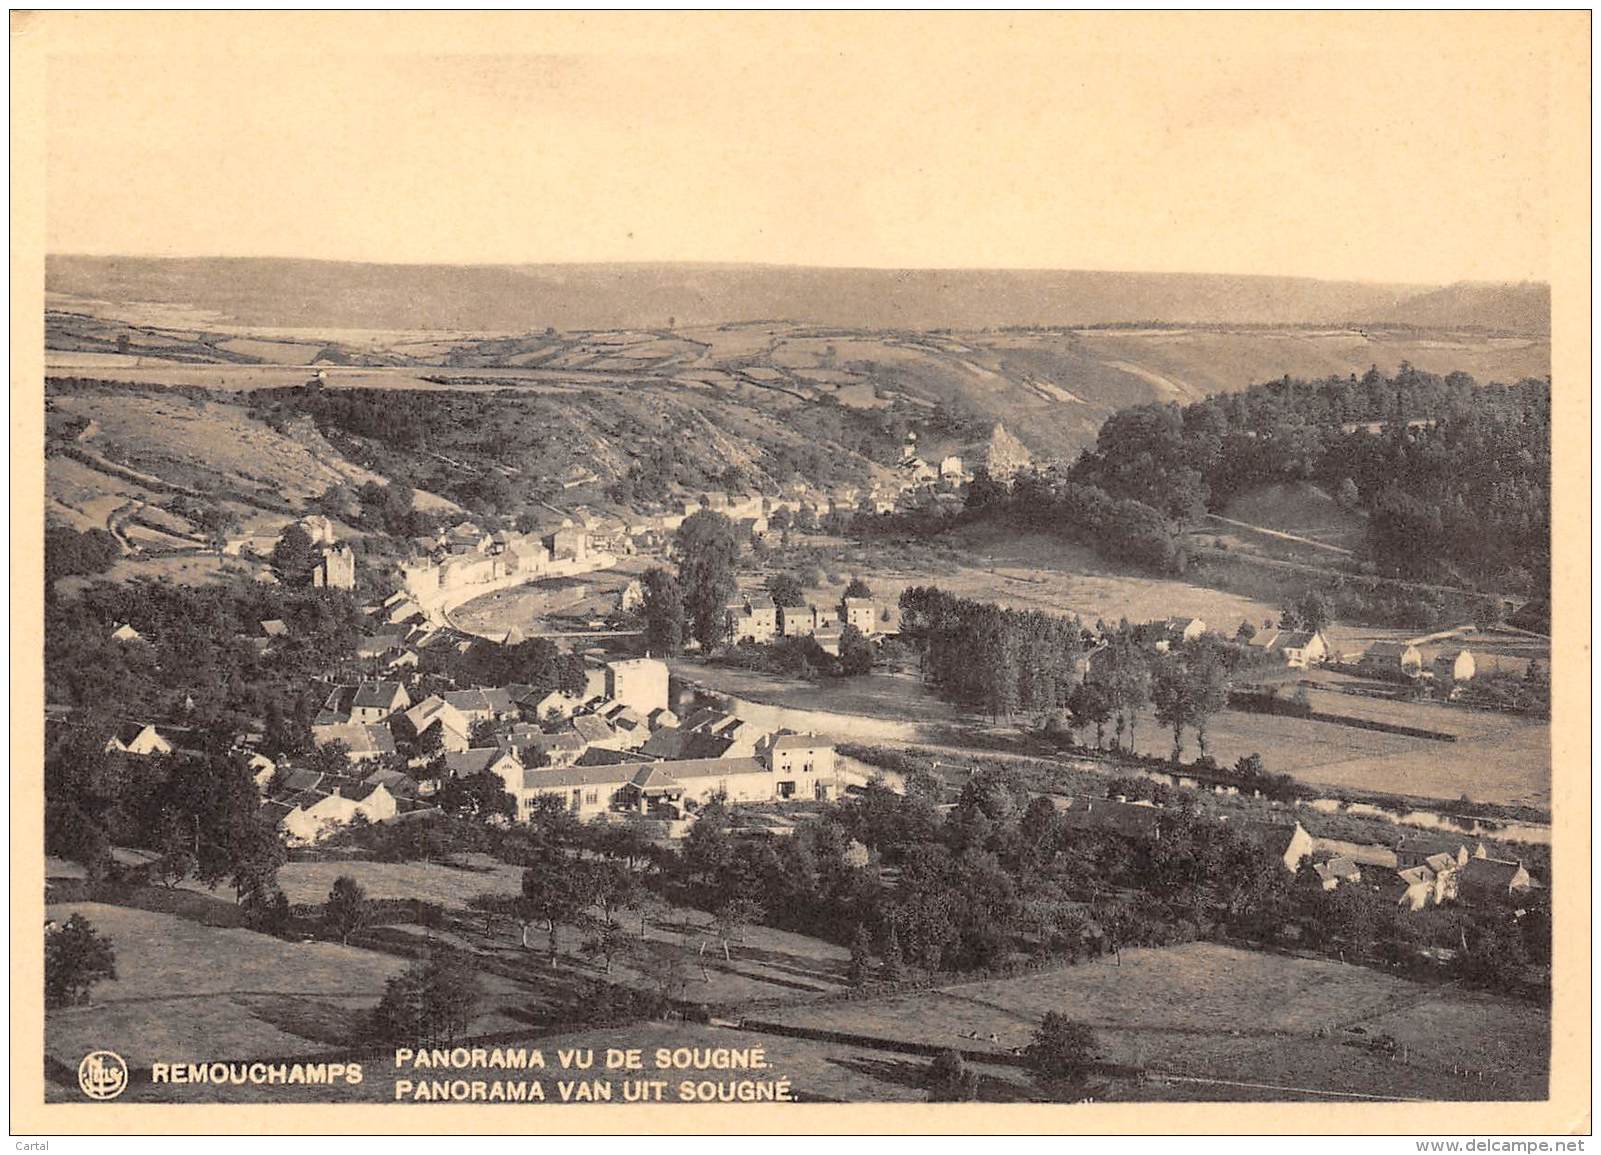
1394	661
143	741
803	754
1422	849
1130	819
1289	843
1487	880
1455	666
126	633
568	543
1301	648
315	814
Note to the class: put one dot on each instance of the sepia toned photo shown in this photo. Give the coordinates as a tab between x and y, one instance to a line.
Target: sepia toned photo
665	572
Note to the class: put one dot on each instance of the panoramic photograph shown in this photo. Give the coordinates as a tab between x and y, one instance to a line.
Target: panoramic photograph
569	584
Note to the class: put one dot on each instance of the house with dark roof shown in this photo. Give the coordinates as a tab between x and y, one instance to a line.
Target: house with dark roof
377	701
315	814
380	643
1483	881
1301	648
1287	842
1418	849
536	748
1129	819
1393	661
498	760
595	731
1337	870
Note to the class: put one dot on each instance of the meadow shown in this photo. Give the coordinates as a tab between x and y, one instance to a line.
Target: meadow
1198	1010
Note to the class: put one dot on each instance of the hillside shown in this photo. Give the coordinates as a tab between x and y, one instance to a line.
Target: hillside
1050	387
1522	308
335	295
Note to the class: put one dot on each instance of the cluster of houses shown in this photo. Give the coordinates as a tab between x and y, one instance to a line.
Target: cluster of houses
1419	871
469	559
757	618
614	747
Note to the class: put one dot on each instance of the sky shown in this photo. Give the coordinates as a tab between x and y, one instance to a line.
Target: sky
1412	150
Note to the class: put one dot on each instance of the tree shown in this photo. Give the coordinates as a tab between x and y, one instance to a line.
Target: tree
707	547
950	1080
1311	611
1060	1050
1091	705
894	960
430	1002
861	968
294	556
1170	693
606	940
855	652
857	588
75	959
345	912
556	889
1348	496
481	795
785	590
663	612
732	919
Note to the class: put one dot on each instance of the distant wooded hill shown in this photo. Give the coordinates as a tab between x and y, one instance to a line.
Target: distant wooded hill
270	292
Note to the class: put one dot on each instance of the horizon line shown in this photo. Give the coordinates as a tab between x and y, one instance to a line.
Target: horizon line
783	265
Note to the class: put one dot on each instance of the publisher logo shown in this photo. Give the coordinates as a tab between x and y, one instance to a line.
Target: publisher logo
103	1075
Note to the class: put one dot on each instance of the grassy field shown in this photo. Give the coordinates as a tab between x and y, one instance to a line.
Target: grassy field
189	990
1301	509
449	886
1198	1010
1501	759
1039	572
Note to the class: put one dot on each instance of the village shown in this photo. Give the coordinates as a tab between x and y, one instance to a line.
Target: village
634	746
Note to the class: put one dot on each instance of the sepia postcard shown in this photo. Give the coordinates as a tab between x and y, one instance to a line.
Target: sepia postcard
800	573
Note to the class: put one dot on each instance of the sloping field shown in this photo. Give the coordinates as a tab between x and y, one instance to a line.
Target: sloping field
1200	1010
188	991
1301	509
449	886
